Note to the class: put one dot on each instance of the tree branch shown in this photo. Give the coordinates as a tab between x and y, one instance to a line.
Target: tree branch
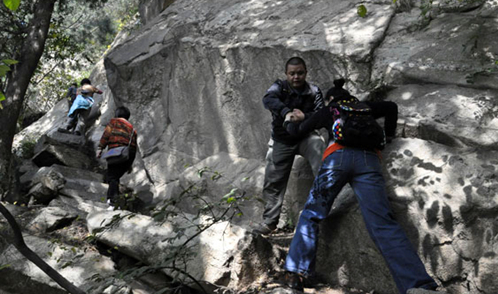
18	242
47	73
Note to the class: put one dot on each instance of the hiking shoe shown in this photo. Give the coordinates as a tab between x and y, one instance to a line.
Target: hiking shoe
293	281
77	133
424	291
111	207
62	130
264	229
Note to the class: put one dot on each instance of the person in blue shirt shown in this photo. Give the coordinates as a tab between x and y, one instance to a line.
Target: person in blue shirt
80	109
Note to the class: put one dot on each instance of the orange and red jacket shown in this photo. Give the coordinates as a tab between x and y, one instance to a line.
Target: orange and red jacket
117	133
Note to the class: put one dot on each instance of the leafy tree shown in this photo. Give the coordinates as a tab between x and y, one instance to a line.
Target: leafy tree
27	45
25	29
28	30
76	43
80	31
37	31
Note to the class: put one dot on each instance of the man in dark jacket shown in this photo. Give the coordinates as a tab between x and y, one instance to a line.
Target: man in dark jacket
293	99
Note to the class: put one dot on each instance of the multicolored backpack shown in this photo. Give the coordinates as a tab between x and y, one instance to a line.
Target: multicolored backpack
356	126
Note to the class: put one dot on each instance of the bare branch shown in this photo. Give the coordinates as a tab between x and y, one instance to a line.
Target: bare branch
18	242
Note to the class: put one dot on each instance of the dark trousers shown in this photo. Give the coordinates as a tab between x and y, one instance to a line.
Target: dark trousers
279	160
388	110
78	120
114	173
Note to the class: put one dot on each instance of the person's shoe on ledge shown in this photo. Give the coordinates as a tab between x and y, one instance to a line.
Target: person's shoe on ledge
294	281
63	130
264	229
424	291
112	205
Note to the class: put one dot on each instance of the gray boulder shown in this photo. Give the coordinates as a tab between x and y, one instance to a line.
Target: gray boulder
75	264
445	203
222	254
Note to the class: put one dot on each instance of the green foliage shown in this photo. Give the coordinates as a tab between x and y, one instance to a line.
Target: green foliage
362	11
3	266
425	7
80	32
12	4
206	170
488	71
26	148
127	201
9	62
4	68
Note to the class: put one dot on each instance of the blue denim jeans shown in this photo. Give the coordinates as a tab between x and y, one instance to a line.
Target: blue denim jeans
362	170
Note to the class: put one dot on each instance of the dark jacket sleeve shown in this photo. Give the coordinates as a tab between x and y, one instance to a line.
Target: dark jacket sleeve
318	101
272	101
323	118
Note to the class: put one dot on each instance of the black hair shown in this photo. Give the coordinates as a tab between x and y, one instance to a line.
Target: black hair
295	61
337	92
74	84
123	112
339	83
85	81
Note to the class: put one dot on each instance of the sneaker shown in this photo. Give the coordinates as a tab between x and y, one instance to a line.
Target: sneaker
111	205
423	291
294	281
264	229
62	130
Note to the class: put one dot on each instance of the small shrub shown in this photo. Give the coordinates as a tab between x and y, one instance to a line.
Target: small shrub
26	149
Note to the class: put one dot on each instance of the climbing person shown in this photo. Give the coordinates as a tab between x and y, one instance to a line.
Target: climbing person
80	109
71	95
359	166
119	132
386	109
87	84
291	98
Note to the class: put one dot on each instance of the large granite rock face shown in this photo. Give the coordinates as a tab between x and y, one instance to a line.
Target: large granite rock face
214	253
195	76
445	198
151	8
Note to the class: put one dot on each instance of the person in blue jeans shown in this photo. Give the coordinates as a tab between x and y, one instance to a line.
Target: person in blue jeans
361	168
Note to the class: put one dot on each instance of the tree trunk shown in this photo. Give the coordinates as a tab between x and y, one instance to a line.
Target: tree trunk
18	82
